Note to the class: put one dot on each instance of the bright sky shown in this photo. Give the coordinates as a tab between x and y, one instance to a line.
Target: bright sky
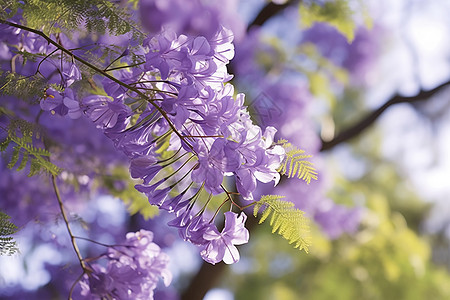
420	59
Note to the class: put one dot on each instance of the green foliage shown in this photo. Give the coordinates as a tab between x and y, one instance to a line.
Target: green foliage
29	88
322	73
273	55
7	243
121	185
286	220
21	133
386	259
53	16
8	8
295	164
335	13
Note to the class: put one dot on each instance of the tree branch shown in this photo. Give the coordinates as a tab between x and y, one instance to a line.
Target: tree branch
66	222
102	72
72	237
208	275
206	278
359	127
268	11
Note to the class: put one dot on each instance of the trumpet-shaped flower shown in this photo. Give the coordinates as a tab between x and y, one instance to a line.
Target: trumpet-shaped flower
221	245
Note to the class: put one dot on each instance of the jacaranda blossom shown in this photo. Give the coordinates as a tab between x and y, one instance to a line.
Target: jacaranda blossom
221	245
132	271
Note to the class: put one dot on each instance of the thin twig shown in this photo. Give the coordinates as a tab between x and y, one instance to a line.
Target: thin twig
66	221
72	288
121	67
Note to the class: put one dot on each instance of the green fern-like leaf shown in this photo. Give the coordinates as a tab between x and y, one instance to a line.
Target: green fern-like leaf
285	219
7	244
28	88
68	16
8	8
14	157
296	163
4	145
38	160
20	133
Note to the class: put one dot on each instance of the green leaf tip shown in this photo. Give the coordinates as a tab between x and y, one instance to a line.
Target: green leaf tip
20	133
285	219
296	163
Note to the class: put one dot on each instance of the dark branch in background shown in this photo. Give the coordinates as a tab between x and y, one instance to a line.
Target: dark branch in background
268	11
206	278
359	127
208	275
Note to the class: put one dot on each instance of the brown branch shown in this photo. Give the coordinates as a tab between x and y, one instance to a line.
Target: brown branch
206	278
66	222
102	72
72	237
364	123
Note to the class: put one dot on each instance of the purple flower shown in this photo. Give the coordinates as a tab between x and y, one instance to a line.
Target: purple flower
53	102
176	203
220	245
72	75
335	219
61	103
195	231
132	272
191	17
213	164
116	91
202	60
144	167
162	54
261	161
104	112
219	110
149	189
72	104
137	140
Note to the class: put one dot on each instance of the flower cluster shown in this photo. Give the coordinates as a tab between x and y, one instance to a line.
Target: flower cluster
132	271
176	100
187	102
168	106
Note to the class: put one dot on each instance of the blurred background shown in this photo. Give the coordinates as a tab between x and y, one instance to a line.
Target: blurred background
363	86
